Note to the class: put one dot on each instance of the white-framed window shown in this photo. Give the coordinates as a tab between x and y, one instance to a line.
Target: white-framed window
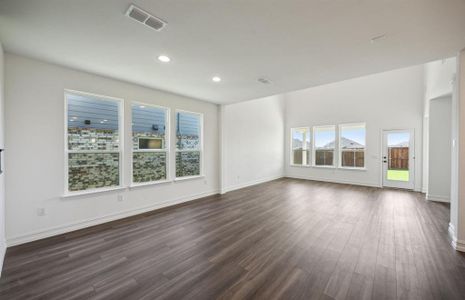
189	144
93	142
150	143
300	146
324	145
352	144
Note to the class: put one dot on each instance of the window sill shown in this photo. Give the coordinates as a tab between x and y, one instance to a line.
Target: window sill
324	167
352	169
189	177
300	166
92	192
137	185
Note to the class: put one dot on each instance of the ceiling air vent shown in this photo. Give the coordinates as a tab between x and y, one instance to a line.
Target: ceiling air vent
155	23
144	17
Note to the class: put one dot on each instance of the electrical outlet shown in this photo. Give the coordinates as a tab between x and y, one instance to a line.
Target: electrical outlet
120	198
41	211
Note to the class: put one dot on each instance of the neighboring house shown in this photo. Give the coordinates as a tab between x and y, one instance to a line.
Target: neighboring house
298	144
345	143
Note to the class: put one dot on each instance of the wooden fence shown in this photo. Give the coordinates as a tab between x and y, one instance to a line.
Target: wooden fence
398	158
354	158
324	157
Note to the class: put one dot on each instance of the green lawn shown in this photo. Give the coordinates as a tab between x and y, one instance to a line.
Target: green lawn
398	175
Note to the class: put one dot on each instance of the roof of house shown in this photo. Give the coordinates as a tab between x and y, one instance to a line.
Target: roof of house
345	143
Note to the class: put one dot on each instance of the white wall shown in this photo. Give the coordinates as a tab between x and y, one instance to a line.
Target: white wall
253	142
440	127
457	205
2	176
35	137
390	100
439	76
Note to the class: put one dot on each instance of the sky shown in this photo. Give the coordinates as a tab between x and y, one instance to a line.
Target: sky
397	138
355	134
324	136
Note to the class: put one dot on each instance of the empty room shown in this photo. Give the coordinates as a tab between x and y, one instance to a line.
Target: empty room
180	149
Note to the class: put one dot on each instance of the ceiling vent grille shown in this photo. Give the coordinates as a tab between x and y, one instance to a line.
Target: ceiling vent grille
145	18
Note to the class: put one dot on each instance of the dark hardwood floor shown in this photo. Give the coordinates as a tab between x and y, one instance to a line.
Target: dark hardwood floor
287	239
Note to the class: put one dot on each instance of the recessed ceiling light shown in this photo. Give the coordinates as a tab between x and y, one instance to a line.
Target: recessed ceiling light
216	79
164	58
141	106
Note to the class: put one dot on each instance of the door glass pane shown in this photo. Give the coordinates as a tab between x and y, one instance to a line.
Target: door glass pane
398	156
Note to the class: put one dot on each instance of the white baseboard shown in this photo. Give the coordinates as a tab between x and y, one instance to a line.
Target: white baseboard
2	255
458	245
249	183
438	198
33	236
332	180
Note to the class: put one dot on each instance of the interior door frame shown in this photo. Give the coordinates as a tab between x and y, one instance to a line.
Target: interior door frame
410	185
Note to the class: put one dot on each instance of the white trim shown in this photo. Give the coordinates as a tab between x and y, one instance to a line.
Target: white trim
352	168
52	231
93	191
149	183
300	166
332	180
121	109
304	146
438	198
250	183
188	178
458	245
2	254
324	167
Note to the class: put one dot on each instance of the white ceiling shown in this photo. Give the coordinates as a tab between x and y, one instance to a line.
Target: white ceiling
296	44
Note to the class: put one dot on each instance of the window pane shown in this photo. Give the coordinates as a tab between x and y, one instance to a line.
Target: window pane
187	131
92	170
92	123
325	142
148	127
187	163
352	144
300	146
148	166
